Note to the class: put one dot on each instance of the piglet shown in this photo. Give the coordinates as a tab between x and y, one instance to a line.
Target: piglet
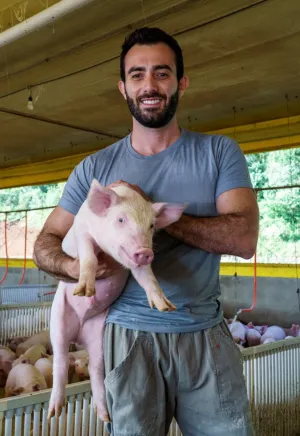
274	332
268	341
238	332
119	222
260	328
42	338
73	357
293	331
31	355
45	366
24	379
253	337
82	368
12	343
7	357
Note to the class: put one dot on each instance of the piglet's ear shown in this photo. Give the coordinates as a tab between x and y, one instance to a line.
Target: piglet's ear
100	199
167	213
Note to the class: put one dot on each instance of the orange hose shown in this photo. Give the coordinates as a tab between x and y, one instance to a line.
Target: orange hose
25	250
6	250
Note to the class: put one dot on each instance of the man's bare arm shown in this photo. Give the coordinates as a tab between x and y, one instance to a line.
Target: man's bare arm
234	231
48	254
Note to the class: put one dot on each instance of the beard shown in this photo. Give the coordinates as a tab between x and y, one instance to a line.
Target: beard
153	117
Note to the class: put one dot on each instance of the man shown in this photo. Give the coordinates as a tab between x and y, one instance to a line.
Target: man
183	363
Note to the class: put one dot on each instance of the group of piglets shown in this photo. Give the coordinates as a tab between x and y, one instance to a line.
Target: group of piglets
26	364
250	335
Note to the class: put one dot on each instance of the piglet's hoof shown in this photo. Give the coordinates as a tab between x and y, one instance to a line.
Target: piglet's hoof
84	290
103	414
161	303
55	410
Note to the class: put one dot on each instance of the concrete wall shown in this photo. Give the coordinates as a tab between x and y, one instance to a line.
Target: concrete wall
277	299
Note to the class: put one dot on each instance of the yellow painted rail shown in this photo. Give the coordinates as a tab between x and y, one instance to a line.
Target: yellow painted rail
290	271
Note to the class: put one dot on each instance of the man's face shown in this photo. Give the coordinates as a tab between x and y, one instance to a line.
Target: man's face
151	88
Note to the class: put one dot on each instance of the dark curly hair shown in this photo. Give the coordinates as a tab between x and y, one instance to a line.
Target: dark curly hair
149	36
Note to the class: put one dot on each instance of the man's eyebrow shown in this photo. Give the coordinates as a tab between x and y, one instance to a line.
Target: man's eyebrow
156	67
134	68
162	67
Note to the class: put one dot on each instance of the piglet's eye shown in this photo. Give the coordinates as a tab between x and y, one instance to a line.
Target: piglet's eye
152	226
121	220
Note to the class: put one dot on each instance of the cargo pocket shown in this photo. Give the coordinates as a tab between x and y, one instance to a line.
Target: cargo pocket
131	391
230	378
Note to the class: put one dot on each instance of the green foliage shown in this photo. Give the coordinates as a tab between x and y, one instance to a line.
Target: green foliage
257	164
280	207
30	197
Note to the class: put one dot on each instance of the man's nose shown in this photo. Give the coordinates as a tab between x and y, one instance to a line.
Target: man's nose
150	84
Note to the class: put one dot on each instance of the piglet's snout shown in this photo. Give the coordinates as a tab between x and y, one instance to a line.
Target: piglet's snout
144	256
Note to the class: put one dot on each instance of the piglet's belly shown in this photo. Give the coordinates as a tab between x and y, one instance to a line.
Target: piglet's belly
107	291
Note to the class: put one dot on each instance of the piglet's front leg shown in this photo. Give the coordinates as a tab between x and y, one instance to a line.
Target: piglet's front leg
146	279
88	266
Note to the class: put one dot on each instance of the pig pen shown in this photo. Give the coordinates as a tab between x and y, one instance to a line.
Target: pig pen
272	374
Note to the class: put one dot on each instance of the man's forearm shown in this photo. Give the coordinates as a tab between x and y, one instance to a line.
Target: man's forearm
49	257
224	234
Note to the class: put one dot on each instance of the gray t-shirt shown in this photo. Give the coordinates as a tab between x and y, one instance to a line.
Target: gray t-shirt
196	169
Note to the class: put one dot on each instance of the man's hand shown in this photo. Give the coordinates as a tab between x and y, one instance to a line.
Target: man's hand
107	267
136	188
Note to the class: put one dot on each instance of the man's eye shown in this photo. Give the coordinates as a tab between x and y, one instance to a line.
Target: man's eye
136	76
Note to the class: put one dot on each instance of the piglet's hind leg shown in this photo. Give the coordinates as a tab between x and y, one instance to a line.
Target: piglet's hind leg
92	336
64	328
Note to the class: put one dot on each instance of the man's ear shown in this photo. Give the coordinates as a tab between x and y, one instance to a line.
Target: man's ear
183	84
122	88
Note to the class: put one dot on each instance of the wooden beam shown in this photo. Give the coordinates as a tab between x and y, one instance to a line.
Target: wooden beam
265	136
11	9
51	171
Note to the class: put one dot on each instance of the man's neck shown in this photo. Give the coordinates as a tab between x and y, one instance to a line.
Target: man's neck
147	142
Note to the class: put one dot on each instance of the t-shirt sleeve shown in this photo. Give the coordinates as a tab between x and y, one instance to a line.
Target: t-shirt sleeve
233	168
77	186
